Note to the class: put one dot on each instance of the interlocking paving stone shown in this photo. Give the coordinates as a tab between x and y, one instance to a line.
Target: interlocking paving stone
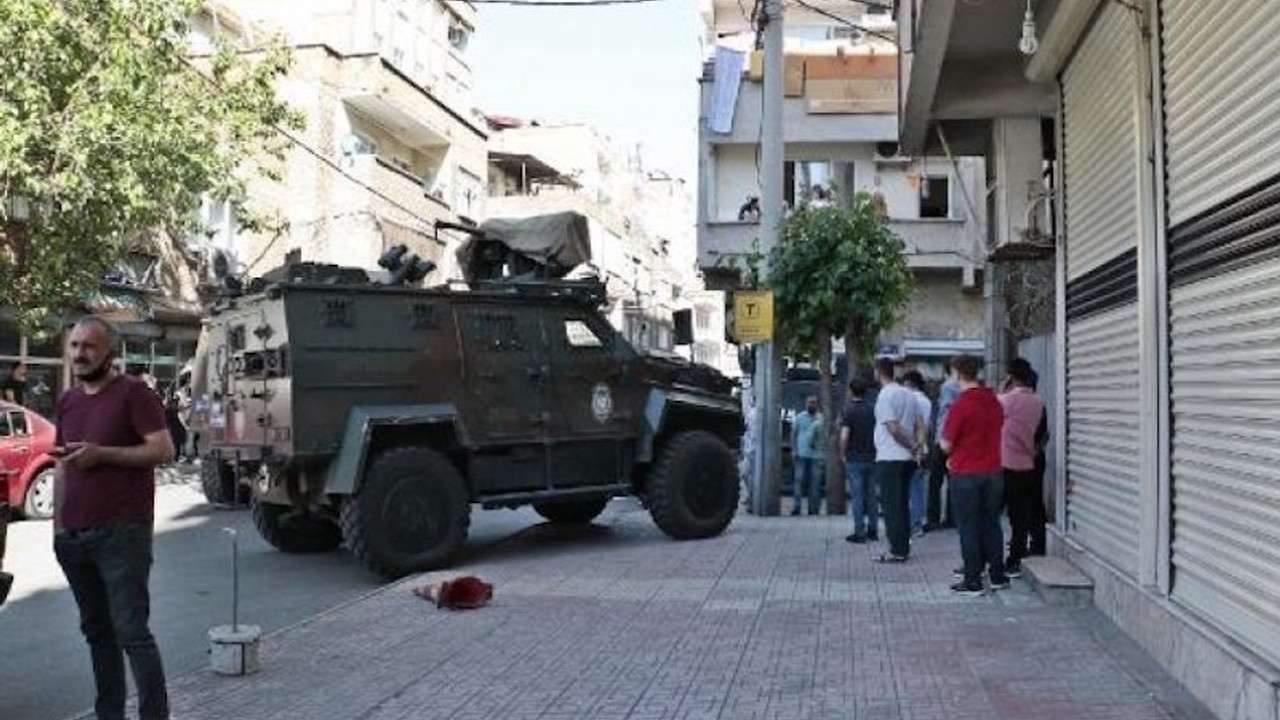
777	619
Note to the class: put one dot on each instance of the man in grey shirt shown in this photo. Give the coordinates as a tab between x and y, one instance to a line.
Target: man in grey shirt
896	433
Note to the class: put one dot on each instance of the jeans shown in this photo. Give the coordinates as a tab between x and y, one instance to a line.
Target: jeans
862	497
977	500
916	498
808	481
1024	498
894	479
937	476
108	569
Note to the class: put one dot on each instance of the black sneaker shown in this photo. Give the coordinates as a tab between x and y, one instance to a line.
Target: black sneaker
1001	583
6	582
856	539
1013	570
964	588
958	573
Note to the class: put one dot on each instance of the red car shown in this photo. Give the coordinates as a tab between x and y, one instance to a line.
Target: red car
26	467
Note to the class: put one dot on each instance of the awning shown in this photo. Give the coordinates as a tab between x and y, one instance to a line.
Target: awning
942	348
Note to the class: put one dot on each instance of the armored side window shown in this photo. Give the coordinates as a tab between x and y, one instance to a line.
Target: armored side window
579	335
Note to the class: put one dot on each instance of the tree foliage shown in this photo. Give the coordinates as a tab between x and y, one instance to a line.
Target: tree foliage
837	273
834	269
108	130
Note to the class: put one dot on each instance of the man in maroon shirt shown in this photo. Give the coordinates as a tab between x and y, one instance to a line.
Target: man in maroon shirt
111	435
971	437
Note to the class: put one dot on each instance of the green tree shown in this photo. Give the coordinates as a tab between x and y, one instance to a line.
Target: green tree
108	130
837	273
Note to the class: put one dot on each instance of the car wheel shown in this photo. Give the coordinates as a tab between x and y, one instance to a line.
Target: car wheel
218	481
38	504
291	531
576	511
411	513
692	487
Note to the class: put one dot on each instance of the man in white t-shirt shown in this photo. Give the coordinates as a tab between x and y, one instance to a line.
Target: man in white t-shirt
896	435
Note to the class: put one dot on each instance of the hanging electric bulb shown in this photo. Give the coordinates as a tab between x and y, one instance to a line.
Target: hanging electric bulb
1028	44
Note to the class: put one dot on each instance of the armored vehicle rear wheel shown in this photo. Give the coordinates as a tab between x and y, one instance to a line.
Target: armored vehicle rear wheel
411	513
580	510
218	480
692	487
288	530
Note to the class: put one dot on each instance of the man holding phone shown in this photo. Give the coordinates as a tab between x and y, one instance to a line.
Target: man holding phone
111	435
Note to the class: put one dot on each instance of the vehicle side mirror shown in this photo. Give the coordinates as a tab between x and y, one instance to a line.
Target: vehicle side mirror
682	321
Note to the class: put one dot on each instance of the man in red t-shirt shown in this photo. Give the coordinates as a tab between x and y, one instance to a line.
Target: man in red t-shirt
971	437
111	435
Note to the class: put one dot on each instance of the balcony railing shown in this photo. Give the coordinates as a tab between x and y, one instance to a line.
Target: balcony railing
929	244
400	195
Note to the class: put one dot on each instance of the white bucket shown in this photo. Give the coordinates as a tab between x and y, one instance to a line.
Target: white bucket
234	650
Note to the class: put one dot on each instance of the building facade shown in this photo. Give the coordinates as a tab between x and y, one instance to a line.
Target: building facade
391	143
840	134
641	220
1156	122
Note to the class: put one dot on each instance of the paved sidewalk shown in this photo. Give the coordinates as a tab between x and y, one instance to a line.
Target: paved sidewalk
778	618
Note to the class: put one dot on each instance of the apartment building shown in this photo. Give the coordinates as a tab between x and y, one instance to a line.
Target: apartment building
391	143
840	127
641	219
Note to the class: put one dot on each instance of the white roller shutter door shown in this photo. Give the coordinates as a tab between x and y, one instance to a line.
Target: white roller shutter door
1221	100
1220	64
1101	165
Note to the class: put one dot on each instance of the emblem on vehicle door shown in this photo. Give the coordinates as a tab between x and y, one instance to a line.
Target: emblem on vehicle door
601	402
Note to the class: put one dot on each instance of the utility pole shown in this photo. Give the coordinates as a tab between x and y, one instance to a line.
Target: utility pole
768	457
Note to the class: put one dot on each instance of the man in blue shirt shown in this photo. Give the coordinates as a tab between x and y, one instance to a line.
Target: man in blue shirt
808	449
938	470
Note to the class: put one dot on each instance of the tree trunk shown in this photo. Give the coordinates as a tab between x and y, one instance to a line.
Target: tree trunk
852	351
831	422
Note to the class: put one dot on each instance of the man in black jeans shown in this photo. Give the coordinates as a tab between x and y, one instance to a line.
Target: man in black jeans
895	440
972	439
938	461
111	434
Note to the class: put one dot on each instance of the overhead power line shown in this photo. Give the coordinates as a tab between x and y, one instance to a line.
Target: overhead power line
562	3
847	22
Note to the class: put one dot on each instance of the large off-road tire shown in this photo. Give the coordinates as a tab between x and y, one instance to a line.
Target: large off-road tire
575	511
692	488
38	504
411	513
218	480
288	530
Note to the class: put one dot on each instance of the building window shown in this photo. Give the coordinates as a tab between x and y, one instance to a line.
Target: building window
459	34
935	197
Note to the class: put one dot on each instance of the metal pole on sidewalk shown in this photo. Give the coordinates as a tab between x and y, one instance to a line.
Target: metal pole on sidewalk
768	358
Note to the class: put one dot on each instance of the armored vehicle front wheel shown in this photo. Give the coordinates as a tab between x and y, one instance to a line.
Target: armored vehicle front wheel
692	489
288	530
411	513
580	510
218	480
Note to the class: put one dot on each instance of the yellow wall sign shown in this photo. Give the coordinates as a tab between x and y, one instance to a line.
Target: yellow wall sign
753	316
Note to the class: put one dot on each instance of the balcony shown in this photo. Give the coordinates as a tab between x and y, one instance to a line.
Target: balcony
375	89
929	245
939	244
400	196
829	99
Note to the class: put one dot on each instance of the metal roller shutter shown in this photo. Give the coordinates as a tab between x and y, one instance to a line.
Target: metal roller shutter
1222	110
1099	91
1102	435
1225	388
1101	167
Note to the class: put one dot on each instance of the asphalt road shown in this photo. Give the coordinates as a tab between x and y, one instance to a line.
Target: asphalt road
44	663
